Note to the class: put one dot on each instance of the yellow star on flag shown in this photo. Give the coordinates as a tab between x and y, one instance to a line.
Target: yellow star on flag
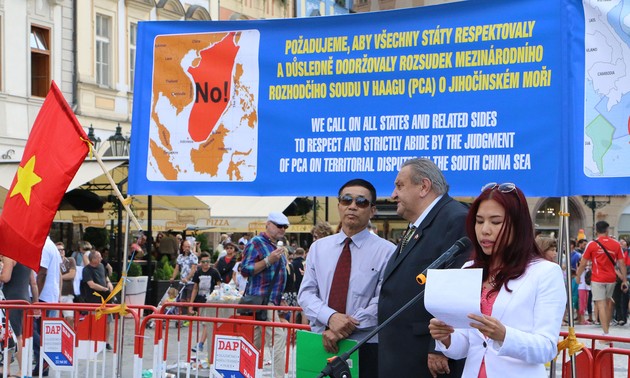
27	178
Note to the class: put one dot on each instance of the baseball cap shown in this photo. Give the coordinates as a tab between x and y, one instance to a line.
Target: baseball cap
278	218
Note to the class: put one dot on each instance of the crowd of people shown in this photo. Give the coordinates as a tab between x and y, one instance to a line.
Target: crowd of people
350	280
62	278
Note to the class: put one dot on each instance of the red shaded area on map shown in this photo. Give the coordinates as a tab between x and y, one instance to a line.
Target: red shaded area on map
213	85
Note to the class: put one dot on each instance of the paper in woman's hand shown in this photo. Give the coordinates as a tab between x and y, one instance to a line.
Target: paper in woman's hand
451	294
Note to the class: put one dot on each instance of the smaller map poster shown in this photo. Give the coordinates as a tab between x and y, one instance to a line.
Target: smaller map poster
607	89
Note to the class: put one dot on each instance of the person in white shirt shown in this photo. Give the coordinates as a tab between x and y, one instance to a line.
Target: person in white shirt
48	284
356	315
49	275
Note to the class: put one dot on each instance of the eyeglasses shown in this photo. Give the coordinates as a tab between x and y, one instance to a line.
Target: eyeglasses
285	226
362	202
205	261
503	188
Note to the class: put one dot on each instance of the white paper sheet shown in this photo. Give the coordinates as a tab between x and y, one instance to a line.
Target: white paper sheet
451	294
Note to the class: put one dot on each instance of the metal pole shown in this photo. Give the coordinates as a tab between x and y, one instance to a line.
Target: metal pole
119	242
593	208
565	243
314	211
121	323
150	248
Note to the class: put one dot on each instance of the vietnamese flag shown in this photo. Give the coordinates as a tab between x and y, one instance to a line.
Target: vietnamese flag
54	152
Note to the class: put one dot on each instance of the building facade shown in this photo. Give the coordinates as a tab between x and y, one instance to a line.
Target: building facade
106	47
36	40
360	6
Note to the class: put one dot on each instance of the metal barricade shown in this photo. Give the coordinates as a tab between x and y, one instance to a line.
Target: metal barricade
174	345
223	321
90	339
594	362
605	357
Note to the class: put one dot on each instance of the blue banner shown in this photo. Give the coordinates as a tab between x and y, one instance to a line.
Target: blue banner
489	90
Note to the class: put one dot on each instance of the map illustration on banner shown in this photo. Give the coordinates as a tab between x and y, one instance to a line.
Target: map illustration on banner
607	89
204	116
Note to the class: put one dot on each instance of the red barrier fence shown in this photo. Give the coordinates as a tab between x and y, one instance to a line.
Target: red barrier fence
224	319
596	360
87	341
170	349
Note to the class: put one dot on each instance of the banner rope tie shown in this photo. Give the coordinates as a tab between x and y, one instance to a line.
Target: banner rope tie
118	309
570	343
90	146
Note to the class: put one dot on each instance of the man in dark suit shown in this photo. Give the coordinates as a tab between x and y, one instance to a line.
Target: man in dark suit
437	221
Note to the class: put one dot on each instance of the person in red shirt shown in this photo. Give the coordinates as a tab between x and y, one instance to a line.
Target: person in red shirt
604	271
620	297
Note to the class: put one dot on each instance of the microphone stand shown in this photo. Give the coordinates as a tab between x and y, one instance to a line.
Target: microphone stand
337	367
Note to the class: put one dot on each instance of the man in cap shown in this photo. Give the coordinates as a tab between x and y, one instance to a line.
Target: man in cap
264	266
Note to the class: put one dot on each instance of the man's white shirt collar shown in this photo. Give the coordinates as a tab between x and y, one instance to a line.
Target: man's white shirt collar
426	211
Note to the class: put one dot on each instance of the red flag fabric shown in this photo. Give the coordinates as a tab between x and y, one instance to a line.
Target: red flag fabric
53	154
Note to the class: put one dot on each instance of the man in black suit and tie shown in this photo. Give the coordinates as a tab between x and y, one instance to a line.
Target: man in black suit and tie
437	221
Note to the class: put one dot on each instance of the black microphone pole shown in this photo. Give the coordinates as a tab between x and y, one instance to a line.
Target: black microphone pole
339	362
337	366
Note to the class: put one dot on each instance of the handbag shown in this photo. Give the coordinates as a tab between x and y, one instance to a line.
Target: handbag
249	299
587	277
618	279
256	300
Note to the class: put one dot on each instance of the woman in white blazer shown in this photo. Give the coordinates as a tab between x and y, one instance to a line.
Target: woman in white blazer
523	295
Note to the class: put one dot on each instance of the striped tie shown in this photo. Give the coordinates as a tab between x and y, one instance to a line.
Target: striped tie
407	237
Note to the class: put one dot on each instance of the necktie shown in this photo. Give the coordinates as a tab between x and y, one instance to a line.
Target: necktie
407	237
339	288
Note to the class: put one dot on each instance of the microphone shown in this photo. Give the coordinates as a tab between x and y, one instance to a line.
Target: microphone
446	259
337	366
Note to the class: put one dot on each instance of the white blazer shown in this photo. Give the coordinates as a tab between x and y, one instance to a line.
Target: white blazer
532	315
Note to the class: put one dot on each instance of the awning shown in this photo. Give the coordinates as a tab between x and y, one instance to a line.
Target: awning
226	214
220	213
254	207
89	170
161	219
174	203
242	214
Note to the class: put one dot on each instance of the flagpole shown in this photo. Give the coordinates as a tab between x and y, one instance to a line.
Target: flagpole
124	201
121	326
570	343
128	215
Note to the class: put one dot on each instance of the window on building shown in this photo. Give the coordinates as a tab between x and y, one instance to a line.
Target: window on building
103	54
40	61
133	33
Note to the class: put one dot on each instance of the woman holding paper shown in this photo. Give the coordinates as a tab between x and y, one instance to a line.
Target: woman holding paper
522	298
